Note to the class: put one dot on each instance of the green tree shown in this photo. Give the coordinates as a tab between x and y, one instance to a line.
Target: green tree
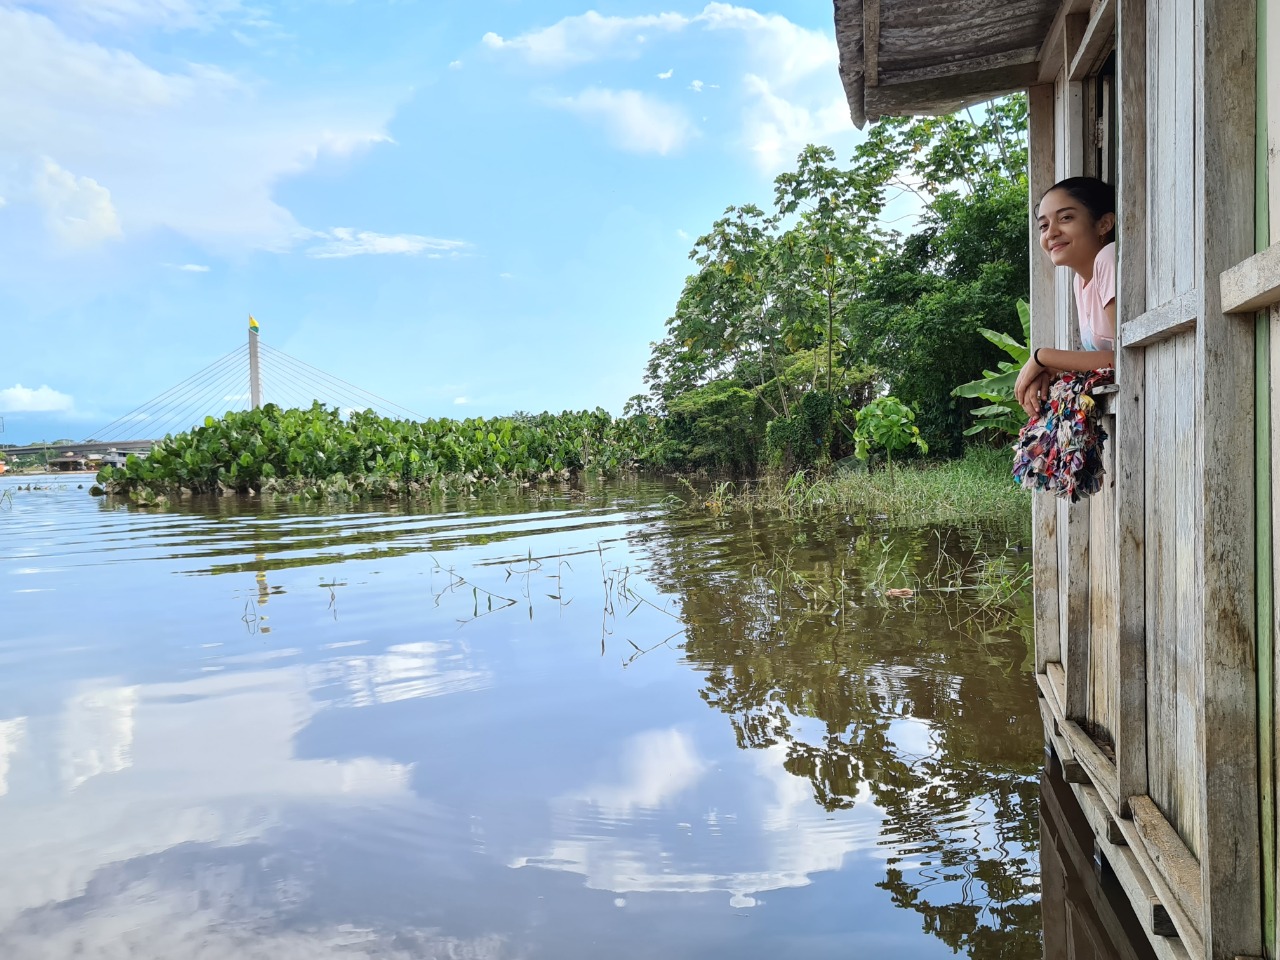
828	251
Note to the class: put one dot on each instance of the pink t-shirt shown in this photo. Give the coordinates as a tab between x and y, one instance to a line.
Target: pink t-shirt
1097	332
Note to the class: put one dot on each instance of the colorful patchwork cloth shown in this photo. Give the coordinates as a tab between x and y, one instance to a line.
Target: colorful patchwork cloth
1060	449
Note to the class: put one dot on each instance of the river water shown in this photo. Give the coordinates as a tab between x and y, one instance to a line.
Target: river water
553	726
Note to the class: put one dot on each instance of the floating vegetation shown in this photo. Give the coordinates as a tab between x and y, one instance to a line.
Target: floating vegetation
317	453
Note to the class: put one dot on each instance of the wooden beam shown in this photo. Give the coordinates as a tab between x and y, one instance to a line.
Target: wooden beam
1145	885
1044	510
1176	863
1073	31
1099	37
1130	406
1253	284
945	93
1147	904
871	42
1162	322
1230	853
1004	60
1051	51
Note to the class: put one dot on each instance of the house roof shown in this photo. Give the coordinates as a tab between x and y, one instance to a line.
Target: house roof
936	56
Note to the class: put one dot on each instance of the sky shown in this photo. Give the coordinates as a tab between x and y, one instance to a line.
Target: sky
468	208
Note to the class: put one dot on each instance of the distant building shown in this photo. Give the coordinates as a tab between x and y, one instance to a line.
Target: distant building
68	462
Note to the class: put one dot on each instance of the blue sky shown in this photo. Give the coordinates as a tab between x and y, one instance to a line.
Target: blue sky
466	207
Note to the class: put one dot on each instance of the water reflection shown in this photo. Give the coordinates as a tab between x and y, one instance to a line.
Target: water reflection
310	732
873	701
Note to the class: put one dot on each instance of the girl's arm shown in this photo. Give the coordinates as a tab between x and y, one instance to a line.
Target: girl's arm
1031	379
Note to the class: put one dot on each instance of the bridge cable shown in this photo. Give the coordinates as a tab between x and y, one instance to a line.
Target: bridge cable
114	429
385	403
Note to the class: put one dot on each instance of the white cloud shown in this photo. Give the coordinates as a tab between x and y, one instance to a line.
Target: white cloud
681	234
790	83
455	65
635	121
793	90
12	734
345	242
20	399
188	148
193	268
461	401
585	37
165	14
666	74
78	210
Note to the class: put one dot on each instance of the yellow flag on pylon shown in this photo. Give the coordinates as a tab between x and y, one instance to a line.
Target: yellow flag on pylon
253	324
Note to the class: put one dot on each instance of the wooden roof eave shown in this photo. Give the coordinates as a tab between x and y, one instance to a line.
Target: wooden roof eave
900	78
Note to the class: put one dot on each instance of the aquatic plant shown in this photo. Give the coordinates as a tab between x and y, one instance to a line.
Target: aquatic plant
318	453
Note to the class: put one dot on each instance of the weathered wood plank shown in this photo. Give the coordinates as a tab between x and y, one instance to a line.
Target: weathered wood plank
1074	136
1160	155
1005	60
1142	880
1051	51
1044	510
1161	322
1079	552
1253	284
1103	665
1099	37
942	95
1067	828
1183	195
1226	49
1101	771
1161	601
1146	902
1130	440
1274	314
1184	809
871	42
1177	865
1057	679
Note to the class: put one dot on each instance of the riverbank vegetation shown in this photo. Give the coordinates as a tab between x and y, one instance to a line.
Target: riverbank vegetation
974	488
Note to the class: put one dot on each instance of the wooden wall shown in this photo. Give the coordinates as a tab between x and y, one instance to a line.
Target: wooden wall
1145	594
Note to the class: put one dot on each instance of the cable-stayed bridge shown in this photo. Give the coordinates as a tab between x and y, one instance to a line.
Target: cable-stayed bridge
252	374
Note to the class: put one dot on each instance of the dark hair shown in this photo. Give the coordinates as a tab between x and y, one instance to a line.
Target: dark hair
1096	196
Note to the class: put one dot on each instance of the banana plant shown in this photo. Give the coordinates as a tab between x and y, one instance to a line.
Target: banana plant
1002	412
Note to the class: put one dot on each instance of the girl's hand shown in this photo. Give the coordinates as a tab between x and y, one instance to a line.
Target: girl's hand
1032	387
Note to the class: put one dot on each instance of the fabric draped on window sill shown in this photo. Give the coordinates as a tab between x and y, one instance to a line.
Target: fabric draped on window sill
1060	449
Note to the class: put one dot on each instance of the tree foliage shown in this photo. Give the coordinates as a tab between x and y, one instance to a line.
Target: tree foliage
821	277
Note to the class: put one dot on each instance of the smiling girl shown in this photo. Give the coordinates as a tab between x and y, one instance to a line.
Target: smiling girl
1077	221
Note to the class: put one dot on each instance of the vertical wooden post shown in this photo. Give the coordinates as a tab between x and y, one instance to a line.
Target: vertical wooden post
1073	519
1263	404
1229	799
1044	510
1130	438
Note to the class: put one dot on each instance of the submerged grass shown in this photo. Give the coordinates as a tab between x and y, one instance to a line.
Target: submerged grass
976	488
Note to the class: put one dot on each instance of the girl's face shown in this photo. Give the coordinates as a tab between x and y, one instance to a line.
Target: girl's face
1068	234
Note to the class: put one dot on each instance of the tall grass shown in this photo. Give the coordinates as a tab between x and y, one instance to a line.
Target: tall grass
975	488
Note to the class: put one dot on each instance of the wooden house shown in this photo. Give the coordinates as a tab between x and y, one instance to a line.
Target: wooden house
1156	599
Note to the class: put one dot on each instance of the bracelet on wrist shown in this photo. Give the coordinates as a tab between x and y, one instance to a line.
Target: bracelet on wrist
1035	356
